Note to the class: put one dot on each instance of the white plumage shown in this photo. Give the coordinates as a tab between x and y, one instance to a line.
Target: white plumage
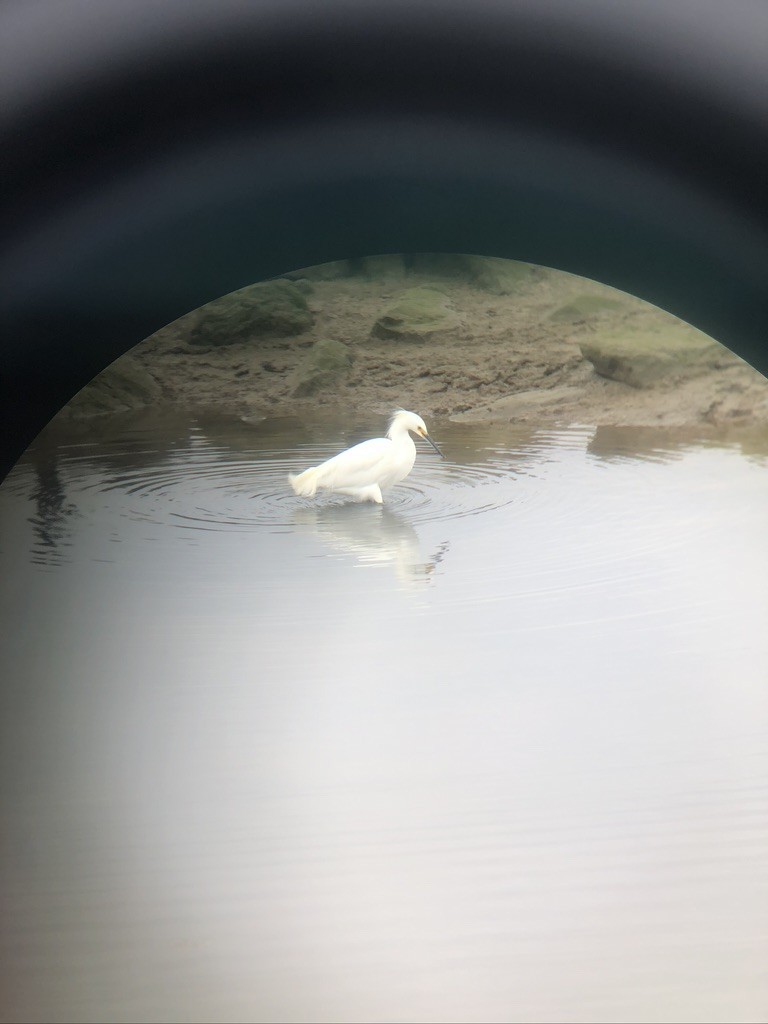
368	468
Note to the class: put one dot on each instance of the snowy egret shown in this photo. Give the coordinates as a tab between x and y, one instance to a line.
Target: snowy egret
368	468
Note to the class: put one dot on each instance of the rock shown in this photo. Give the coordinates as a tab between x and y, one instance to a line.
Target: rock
584	307
645	358
417	314
326	363
500	277
122	386
387	267
304	285
523	405
438	264
333	271
276	308
489	273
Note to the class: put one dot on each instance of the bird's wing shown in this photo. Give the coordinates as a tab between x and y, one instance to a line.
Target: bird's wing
358	466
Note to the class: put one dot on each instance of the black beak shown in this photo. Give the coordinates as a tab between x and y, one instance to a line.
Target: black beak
428	438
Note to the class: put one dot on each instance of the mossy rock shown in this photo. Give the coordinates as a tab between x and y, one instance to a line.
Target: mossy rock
325	364
497	276
124	385
643	359
584	307
387	267
538	404
272	308
439	264
416	314
488	273
334	271
304	285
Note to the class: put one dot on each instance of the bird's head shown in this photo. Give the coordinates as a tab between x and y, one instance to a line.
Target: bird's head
403	420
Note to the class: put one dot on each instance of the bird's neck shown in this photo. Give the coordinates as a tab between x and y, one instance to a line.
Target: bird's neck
399	435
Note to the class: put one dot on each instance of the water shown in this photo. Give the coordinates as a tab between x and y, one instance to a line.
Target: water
496	751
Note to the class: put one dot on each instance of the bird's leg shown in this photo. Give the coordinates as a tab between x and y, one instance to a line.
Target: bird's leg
372	493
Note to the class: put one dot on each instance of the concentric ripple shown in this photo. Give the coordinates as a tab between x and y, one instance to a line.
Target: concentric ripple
231	476
206	489
444	491
202	485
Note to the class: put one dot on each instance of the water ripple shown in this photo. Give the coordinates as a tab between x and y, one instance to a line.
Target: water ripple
233	477
212	488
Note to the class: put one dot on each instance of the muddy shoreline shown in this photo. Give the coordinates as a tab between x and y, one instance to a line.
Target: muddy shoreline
510	353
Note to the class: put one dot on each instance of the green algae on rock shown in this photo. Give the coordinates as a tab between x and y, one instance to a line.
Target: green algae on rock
415	315
277	308
325	364
124	385
584	307
487	273
643	359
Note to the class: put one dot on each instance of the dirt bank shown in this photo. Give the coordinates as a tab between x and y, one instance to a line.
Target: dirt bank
509	351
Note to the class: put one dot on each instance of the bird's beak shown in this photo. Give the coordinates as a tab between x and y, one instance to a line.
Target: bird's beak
429	439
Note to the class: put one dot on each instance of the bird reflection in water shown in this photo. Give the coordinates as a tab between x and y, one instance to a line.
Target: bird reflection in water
374	536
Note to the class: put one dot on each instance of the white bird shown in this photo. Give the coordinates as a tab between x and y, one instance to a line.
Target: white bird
368	468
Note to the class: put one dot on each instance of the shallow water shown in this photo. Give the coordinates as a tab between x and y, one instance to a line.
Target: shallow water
496	751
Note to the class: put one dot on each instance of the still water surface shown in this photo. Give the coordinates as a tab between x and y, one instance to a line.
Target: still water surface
496	751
